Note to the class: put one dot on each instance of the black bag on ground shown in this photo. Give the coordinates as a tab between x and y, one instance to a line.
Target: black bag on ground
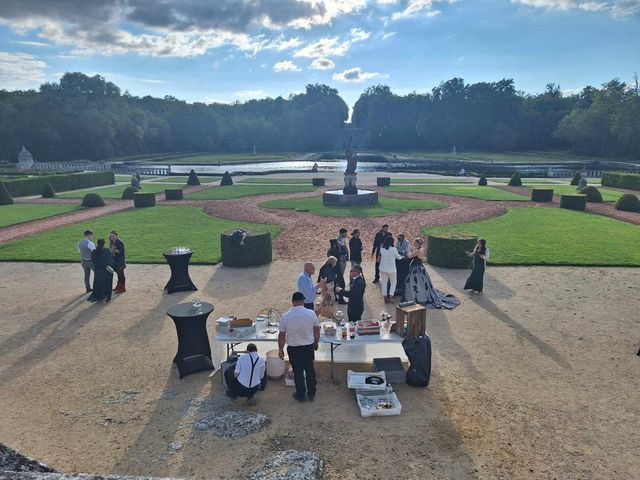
418	350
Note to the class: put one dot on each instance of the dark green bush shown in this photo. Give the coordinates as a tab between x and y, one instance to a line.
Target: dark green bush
226	179
576	178
573	202
193	178
127	193
255	251
383	181
447	249
173	194
23	187
141	200
515	180
93	200
5	196
628	203
48	191
542	195
318	182
630	181
482	181
592	193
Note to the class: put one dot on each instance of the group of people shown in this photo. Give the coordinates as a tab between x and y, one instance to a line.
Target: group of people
104	262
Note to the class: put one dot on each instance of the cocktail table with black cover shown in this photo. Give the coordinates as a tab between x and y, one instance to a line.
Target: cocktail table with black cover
194	351
179	264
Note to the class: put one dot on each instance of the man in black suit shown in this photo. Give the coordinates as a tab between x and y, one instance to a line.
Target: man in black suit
355	294
375	251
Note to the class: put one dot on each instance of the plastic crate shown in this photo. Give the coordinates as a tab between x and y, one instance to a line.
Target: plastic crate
364	400
289	380
357	380
392	368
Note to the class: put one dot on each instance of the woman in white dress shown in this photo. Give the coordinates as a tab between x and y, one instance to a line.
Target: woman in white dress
388	274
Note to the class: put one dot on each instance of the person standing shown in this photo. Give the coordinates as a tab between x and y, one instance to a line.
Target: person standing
246	378
300	330
377	243
344	250
117	250
102	273
388	273
85	247
306	286
355	247
480	256
402	266
355	294
334	251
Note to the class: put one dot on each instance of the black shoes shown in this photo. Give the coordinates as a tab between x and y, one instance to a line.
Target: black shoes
298	398
376	280
231	395
89	290
311	397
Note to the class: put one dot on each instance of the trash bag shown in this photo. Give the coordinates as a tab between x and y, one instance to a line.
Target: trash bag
418	350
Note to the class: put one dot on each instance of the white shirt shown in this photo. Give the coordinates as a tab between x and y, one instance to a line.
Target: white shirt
243	368
388	257
298	324
85	247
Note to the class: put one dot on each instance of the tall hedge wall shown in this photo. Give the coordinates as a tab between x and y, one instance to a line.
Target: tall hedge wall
542	194
448	249
144	199
23	187
621	180
318	182
383	181
573	202
255	251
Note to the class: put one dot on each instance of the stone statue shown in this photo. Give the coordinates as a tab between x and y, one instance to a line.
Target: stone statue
581	183
352	160
350	175
25	159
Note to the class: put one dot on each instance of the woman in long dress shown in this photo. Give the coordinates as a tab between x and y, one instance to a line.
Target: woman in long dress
326	283
418	287
480	256
102	277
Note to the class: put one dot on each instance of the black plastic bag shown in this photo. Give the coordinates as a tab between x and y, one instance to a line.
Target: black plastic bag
418	350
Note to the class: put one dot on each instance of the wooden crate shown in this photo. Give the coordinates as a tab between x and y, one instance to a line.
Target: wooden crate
414	317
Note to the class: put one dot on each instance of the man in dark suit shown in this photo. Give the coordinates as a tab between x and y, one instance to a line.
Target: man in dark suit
355	294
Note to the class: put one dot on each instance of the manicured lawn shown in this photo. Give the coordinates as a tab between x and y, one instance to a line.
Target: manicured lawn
555	236
473	191
113	191
147	232
433	180
22	212
277	181
534	181
607	195
182	179
386	206
236	191
127	178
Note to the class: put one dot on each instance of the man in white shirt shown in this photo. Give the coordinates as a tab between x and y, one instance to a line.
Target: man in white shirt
245	379
300	330
85	247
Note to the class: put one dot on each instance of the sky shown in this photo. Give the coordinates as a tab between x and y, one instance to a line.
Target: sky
235	50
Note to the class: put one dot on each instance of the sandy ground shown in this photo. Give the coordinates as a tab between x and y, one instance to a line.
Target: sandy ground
538	378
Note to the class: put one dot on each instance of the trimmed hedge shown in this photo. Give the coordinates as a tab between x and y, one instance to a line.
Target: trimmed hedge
5	196
383	181
48	191
193	178
573	202
483	181
448	249
630	181
145	199
255	251
592	193
542	195
226	179
93	200
628	203
127	193
576	178
515	180
173	194
24	187
318	182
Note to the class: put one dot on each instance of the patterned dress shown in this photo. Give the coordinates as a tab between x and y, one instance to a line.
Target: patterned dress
418	288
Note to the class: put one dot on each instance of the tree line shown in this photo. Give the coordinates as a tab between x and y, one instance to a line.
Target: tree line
83	117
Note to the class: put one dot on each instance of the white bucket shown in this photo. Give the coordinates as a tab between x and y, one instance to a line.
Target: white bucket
275	365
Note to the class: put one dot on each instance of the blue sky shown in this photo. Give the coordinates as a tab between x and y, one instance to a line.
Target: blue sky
227	50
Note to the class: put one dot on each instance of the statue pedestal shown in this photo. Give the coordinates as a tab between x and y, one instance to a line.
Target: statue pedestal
350	187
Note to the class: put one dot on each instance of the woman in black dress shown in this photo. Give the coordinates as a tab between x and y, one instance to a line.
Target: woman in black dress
480	256
102	273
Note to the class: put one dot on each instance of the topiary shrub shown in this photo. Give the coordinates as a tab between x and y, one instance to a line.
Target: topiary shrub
256	249
93	200
318	182
383	181
621	180
542	195
592	193
226	179
448	249
48	191
482	181
515	180
628	203
173	194
574	202
5	196
193	178
127	193
141	200
576	178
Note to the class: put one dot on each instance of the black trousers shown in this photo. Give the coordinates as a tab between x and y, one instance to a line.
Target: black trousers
309	306
377	269
301	359
236	387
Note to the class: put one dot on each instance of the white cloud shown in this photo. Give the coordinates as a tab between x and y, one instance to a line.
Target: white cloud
419	7
354	75
32	44
332	46
388	35
20	70
617	8
359	35
322	64
286	66
386	2
249	94
282	44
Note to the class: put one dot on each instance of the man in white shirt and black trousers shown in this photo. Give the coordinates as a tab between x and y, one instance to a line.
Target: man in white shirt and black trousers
245	379
300	330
